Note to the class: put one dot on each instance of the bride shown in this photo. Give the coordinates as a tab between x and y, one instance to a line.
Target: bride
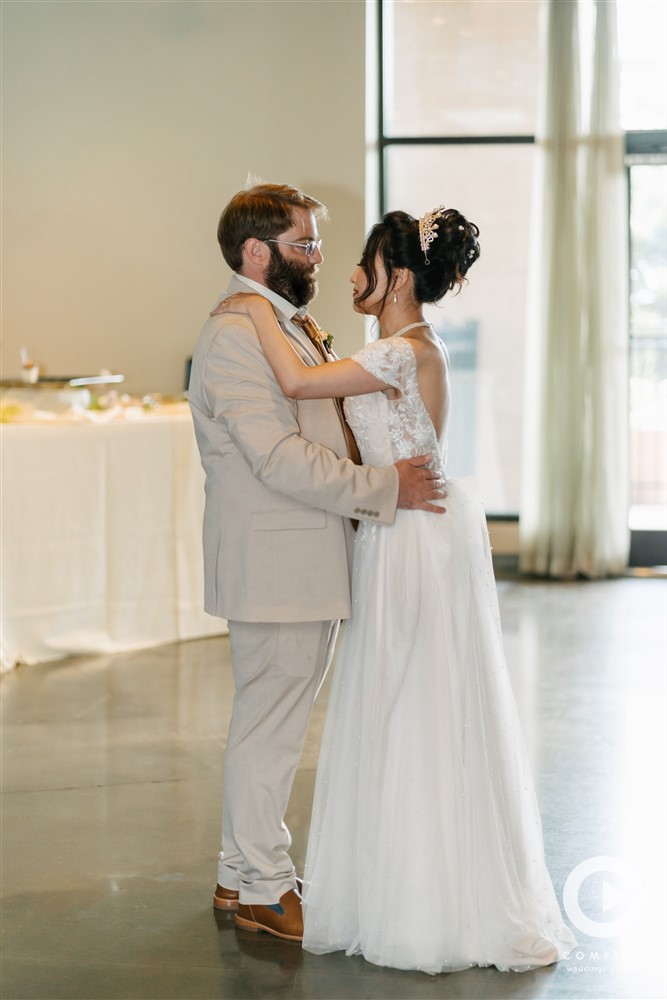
425	848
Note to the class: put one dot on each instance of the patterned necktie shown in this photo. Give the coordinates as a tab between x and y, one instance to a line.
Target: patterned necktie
314	334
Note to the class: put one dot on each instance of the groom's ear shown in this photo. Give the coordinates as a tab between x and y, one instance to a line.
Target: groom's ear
255	252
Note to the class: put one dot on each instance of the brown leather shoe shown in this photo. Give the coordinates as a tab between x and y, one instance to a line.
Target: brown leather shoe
225	899
283	919
228	899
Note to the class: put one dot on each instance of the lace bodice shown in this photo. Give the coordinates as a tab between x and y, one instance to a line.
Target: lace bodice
390	429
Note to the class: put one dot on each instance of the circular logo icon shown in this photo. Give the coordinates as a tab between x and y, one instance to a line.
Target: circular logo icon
612	891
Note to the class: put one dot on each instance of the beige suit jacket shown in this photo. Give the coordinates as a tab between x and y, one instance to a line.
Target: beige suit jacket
277	539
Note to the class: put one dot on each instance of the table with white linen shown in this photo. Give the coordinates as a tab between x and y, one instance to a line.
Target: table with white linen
101	535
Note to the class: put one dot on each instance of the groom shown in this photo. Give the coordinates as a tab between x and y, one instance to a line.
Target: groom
280	493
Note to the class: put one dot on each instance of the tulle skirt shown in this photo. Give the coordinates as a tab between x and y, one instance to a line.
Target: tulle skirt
425	849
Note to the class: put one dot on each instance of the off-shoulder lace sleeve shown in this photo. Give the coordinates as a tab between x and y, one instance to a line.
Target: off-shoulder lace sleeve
391	426
389	360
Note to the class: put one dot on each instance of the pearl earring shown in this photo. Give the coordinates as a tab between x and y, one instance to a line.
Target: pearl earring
395	298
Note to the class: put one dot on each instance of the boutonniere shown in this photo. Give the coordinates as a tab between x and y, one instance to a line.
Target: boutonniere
327	339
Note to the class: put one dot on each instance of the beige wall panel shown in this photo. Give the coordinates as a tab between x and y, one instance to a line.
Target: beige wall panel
127	127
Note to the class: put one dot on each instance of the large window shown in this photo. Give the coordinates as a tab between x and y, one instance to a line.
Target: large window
642	31
483	325
459	92
458	110
648	344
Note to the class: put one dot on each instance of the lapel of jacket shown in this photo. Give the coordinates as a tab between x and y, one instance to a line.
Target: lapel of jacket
306	350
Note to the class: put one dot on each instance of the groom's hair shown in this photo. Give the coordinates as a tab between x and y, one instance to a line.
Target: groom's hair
263	211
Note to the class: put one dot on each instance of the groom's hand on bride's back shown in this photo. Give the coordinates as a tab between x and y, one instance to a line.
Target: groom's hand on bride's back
419	485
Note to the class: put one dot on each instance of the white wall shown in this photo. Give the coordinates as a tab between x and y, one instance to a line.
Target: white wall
127	127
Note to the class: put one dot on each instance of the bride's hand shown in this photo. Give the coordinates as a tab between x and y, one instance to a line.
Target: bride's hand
239	302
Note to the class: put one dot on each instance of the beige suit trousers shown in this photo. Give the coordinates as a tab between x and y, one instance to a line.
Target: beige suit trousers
278	669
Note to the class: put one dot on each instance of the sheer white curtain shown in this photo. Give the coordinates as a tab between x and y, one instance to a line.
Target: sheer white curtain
574	505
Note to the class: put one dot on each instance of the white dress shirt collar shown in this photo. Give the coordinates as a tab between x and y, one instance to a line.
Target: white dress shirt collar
288	309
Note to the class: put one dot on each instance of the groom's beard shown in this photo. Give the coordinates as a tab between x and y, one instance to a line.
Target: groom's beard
294	282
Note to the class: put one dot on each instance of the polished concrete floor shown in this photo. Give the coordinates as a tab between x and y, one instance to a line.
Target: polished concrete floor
112	770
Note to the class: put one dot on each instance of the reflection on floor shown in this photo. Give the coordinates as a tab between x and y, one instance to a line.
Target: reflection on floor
112	773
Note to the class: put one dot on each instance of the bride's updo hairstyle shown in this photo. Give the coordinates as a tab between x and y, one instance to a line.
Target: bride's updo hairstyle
438	249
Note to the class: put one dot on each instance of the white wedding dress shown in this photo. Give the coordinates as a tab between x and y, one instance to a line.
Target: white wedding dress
425	847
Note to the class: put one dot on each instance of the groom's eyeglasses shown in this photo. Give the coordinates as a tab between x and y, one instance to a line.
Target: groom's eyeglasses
309	248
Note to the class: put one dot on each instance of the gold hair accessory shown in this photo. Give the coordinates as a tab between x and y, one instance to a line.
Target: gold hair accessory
428	229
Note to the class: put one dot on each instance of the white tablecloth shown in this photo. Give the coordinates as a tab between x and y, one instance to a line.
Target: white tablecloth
101	537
